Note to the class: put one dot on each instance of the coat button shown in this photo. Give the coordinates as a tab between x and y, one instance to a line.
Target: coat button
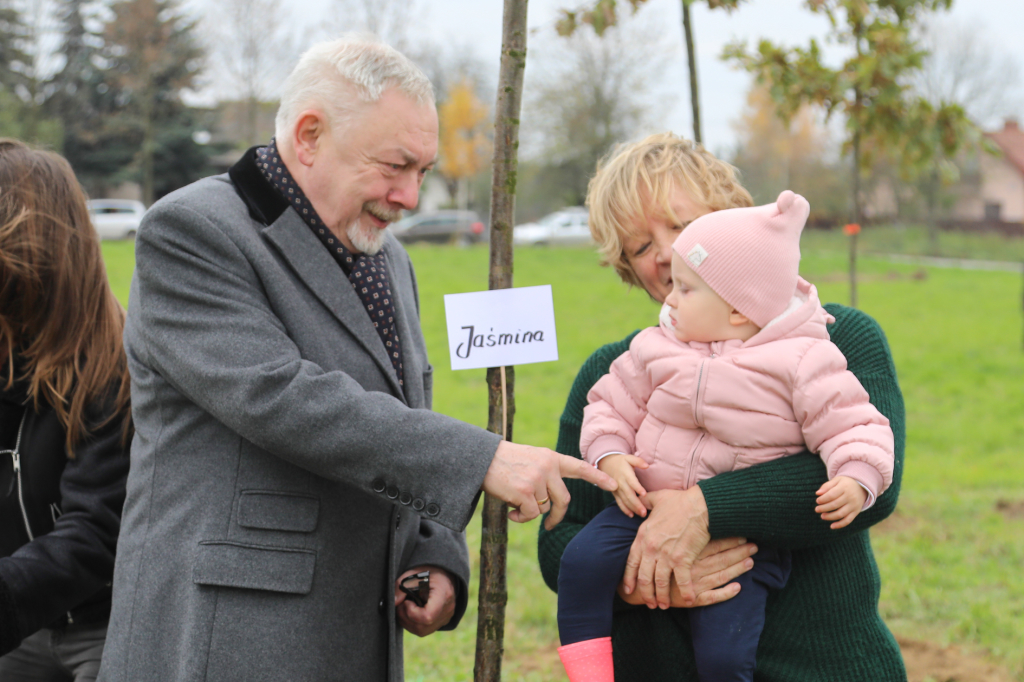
392	492
405	498
380	607
378	485
433	509
418	504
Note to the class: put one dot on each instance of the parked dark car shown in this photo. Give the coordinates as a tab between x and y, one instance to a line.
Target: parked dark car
442	227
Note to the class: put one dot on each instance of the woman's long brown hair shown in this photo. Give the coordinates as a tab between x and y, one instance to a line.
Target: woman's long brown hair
58	315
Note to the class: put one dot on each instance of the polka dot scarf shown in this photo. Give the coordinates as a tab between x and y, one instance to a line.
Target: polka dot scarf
368	274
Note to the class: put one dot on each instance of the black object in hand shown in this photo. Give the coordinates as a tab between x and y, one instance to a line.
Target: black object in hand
417	587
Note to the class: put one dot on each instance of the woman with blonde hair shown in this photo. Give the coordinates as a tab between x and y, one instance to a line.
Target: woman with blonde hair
64	423
824	624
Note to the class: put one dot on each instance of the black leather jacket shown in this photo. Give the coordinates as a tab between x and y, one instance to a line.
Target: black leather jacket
73	508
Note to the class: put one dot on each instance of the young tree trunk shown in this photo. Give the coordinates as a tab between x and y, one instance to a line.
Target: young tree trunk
691	55
931	197
856	218
494	536
148	148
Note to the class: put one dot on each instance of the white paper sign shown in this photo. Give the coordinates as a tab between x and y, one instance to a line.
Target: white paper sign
501	327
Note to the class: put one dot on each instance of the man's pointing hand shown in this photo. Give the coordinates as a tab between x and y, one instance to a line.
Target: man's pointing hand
528	478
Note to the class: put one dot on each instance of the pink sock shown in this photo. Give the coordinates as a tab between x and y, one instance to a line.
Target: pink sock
589	660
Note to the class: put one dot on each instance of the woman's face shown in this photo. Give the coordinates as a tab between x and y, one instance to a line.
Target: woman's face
650	252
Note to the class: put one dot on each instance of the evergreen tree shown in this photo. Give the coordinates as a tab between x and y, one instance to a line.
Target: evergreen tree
78	96
14	61
20	116
152	54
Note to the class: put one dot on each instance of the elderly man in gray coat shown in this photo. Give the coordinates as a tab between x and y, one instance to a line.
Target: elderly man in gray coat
286	469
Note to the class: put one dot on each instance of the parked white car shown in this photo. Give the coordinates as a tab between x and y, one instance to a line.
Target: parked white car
116	218
568	226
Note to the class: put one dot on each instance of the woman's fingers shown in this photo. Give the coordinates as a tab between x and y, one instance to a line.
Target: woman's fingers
645	579
723	593
632	571
715	570
720	546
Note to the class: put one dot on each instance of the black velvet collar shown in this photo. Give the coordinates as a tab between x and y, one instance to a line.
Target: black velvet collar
265	204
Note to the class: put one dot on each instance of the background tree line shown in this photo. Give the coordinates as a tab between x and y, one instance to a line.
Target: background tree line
109	84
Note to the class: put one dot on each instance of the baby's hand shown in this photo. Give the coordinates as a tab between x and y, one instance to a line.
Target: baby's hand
840	500
620	467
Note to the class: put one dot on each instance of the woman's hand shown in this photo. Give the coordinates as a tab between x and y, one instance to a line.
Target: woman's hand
721	562
668	544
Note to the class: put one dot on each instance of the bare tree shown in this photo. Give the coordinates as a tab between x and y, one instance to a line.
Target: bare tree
389	20
256	53
963	68
592	92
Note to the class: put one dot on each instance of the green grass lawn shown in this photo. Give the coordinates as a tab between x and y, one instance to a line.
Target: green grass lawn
950	559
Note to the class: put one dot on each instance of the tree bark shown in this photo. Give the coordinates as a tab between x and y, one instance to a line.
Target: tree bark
931	197
857	214
494	536
148	148
691	55
856	217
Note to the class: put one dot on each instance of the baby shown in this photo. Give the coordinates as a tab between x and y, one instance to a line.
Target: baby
740	371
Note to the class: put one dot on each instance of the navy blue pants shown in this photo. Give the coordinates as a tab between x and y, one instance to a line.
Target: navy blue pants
725	635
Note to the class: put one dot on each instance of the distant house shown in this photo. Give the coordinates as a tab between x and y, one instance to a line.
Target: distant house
999	194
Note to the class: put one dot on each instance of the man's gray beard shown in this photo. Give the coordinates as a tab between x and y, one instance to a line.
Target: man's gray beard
366	240
370	240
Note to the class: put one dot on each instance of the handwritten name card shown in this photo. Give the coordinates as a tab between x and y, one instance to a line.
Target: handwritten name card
501	327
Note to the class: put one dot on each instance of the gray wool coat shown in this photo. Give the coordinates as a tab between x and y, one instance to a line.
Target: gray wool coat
280	477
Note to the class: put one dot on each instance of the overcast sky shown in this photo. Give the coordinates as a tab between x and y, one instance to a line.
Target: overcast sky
476	25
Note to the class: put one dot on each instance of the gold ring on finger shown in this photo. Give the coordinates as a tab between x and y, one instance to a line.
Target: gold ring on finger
541	503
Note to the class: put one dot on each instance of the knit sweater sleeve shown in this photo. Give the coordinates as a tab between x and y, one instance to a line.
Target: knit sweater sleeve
587	500
774	502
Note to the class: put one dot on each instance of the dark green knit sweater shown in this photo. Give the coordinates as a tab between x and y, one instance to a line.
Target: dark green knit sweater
824	626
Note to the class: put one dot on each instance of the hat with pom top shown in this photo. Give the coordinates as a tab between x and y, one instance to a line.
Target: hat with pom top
749	256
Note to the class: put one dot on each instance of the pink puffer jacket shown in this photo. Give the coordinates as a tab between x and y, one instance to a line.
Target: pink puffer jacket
694	410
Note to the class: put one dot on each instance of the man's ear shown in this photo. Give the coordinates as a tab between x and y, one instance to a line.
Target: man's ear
738	319
310	129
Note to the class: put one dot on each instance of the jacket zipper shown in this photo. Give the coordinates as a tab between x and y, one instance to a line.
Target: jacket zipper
16	458
697	419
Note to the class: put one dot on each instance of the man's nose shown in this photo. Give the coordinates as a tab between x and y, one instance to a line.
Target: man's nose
405	192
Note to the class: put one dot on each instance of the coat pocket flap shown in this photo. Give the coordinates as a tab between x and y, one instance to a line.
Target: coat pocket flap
254	567
270	510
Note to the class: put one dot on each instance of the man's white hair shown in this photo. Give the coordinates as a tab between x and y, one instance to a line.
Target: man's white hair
337	76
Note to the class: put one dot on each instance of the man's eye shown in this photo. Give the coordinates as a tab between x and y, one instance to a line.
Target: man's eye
395	166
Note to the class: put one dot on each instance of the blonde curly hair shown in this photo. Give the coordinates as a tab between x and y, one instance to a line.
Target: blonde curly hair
635	181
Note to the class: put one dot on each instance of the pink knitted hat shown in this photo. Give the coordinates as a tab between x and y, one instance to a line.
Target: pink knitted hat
749	256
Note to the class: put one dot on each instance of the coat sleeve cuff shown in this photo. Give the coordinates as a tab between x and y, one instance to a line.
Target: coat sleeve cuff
606	445
444	548
865	474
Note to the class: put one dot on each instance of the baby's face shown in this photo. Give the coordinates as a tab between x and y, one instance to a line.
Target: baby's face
697	312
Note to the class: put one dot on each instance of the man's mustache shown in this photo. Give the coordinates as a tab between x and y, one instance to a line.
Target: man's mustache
382	211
